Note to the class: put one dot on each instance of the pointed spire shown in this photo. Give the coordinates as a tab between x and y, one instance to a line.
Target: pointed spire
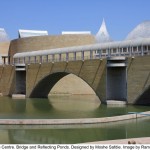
102	35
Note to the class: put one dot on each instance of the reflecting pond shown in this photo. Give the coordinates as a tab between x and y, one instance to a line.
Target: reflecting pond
68	107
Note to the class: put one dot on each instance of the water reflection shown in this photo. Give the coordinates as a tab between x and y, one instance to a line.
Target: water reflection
18	105
61	107
41	104
87	103
68	107
58	134
117	110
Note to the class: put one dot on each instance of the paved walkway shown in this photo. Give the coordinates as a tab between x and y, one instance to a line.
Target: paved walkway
143	140
73	121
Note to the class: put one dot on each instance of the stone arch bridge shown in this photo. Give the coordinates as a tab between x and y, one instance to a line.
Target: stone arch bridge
39	78
117	71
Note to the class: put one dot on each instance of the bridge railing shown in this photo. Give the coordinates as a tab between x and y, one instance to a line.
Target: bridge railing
84	55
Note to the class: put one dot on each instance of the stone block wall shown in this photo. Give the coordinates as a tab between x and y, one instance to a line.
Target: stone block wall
48	42
7	79
93	72
88	71
138	77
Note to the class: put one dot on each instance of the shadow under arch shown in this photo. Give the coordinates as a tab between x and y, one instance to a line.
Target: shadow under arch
45	85
144	98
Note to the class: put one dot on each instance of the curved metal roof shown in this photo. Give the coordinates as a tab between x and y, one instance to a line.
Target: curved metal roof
98	46
28	33
3	35
140	31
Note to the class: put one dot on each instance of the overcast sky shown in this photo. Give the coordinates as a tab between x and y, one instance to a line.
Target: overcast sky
55	16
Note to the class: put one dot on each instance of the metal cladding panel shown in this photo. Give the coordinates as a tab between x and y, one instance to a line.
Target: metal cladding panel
3	35
29	33
140	31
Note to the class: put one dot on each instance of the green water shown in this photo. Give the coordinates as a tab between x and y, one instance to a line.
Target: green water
68	107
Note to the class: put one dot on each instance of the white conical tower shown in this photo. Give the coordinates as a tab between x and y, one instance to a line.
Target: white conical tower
102	35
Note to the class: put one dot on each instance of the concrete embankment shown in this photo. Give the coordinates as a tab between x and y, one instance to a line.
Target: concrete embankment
73	121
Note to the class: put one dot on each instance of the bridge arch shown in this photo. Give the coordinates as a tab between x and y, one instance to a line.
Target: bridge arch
46	84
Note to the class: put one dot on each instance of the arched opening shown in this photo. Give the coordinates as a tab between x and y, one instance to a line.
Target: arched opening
68	96
71	85
42	89
61	83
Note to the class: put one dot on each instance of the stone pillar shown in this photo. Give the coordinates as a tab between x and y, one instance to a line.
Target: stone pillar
74	55
67	57
142	52
29	60
40	59
100	53
109	52
53	57
59	57
91	54
82	55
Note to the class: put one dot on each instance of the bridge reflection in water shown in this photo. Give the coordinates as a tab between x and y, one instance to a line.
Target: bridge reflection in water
54	134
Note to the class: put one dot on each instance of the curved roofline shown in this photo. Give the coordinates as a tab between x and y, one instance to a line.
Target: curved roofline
108	45
142	30
3	35
29	33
